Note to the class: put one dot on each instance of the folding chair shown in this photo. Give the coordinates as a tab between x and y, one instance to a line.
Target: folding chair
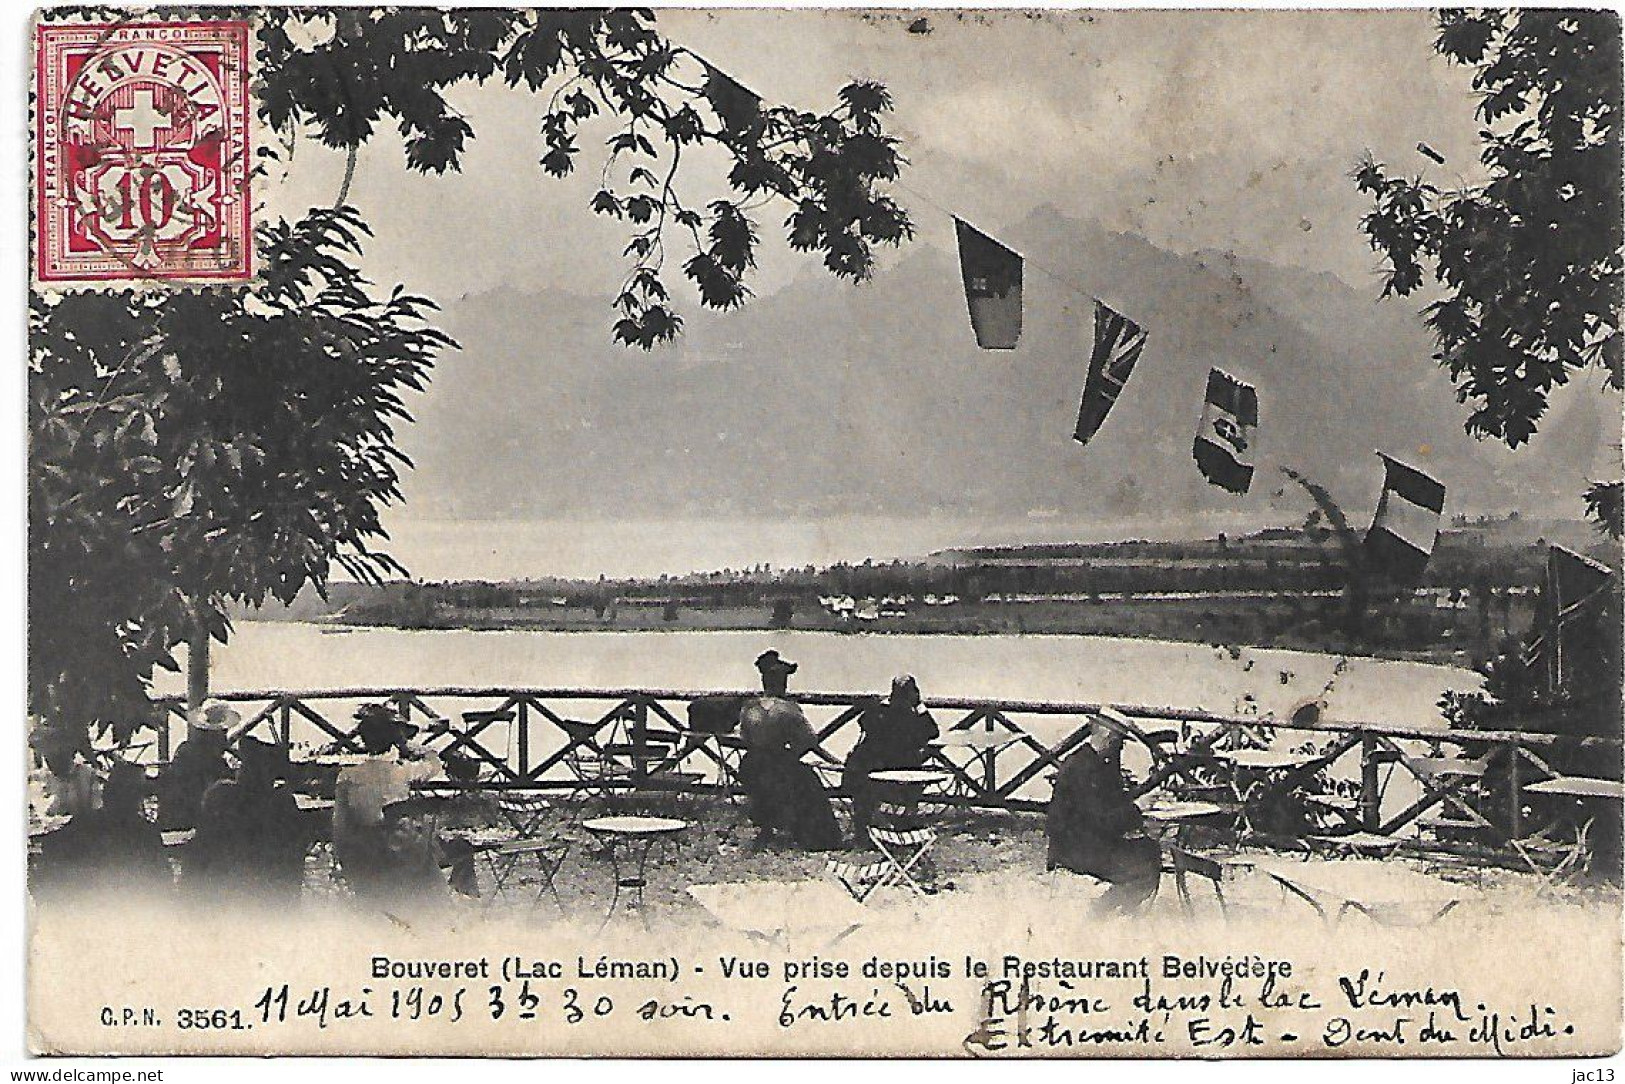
1556	861
1184	864
546	856
901	850
858	878
730	751
586	761
524	810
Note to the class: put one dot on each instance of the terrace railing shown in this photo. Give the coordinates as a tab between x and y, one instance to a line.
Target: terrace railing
534	738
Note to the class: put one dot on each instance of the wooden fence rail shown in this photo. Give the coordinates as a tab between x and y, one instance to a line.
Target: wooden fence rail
537	738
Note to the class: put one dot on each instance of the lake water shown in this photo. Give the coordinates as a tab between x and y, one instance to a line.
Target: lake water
298	656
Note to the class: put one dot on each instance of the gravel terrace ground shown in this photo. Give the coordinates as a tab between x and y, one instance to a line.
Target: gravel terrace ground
983	862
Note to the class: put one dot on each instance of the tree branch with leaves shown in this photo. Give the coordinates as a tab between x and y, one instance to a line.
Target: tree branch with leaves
1528	264
342	73
192	450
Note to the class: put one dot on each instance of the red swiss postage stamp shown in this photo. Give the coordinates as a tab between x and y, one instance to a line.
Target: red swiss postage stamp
142	153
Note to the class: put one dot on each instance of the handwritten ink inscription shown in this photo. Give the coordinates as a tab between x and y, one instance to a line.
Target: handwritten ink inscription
1001	1006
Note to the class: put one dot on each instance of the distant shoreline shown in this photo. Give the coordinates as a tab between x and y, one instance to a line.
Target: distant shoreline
1117	619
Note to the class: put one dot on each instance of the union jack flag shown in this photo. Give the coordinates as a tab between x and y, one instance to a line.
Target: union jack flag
1118	343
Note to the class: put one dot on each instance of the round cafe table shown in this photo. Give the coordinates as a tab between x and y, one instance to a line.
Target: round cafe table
1576	786
337	760
640	834
1264	760
906	786
1179	812
1180	815
916	779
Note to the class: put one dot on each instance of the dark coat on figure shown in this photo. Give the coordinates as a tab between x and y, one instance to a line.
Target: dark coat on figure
893	738
1089	820
783	794
251	840
193	769
105	852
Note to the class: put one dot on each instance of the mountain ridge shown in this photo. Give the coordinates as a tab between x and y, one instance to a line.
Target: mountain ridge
824	397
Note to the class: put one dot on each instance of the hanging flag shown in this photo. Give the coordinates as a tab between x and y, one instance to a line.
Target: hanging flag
737	107
992	276
1224	436
1406	525
1568	619
1118	342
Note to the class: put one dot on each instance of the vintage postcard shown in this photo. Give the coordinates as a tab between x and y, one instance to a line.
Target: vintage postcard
760	532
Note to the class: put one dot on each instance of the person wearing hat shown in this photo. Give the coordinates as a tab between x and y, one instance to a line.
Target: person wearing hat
111	849
362	793
251	839
896	732
1094	827
782	795
198	763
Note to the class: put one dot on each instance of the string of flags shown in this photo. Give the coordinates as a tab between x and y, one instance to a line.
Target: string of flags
1406	524
1405	527
992	274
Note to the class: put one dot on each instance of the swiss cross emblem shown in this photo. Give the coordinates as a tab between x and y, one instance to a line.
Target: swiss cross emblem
142	164
1231	433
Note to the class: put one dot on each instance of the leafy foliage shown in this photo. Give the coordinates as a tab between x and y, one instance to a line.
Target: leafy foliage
1605	504
1516	696
341	73
1529	262
193	448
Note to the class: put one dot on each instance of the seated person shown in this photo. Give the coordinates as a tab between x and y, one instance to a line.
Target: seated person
409	875
63	785
782	795
1094	827
199	763
361	834
896	732
111	850
251	838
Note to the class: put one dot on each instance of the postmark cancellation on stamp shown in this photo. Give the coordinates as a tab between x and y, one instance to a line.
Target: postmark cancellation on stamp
142	160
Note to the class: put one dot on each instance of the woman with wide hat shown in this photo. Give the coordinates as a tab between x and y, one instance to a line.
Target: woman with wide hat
366	841
783	795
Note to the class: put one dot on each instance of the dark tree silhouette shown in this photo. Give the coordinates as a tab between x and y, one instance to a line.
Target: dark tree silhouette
193	449
1527	265
341	73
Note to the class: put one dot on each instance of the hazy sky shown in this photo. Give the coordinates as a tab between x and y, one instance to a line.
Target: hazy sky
1226	130
1197	130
